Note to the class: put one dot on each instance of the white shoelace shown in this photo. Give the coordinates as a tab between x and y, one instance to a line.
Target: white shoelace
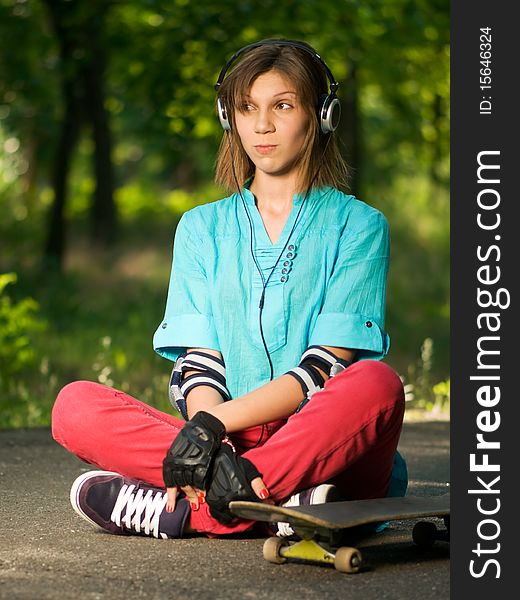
137	503
284	530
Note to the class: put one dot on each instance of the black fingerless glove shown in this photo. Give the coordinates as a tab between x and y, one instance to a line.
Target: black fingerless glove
231	480
189	458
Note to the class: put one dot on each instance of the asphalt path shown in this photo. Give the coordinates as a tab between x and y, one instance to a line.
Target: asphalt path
48	552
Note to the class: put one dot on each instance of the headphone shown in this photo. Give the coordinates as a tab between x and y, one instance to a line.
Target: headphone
329	109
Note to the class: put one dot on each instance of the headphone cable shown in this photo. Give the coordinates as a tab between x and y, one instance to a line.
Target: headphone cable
266	281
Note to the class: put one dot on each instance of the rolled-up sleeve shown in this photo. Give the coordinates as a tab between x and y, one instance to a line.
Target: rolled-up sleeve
188	320
353	311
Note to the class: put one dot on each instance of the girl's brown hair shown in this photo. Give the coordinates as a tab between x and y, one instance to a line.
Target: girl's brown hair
321	162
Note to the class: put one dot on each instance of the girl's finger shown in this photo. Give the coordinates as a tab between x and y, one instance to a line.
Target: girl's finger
171	493
260	488
192	496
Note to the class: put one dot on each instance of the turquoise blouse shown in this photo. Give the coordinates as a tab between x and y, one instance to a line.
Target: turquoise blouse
328	285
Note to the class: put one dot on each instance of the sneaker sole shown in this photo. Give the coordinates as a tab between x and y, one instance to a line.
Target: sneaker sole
76	486
325	493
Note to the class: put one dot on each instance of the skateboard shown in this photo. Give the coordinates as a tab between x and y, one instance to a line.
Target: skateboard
322	527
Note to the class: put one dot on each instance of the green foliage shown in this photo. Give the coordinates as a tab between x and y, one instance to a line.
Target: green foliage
29	85
163	58
19	324
112	367
420	390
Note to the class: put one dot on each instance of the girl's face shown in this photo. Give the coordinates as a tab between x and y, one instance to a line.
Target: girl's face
272	125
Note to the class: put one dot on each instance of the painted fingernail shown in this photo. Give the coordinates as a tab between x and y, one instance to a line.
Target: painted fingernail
194	507
169	508
264	493
202	498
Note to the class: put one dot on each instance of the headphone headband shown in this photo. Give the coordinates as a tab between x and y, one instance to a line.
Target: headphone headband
333	84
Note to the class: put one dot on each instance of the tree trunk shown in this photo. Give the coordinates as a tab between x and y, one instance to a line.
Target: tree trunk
69	132
78	27
349	128
68	136
103	211
436	150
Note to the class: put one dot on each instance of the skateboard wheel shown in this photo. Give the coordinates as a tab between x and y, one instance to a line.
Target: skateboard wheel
271	550
348	560
424	534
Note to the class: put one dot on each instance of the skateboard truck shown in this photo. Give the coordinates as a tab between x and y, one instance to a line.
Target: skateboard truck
317	545
279	550
321	527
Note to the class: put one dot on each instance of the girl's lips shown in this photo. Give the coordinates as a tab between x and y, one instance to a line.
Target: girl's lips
265	148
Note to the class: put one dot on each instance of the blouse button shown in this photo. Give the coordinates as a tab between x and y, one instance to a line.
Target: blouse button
289	254
368	323
286	263
284	271
283	279
291	247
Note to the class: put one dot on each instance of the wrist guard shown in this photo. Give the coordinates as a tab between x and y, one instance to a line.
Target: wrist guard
211	372
307	374
189	458
318	356
231	480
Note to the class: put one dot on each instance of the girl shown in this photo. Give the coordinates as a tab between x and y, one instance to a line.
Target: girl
275	321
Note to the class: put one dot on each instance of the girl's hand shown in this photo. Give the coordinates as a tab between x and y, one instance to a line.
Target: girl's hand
198	497
188	461
195	497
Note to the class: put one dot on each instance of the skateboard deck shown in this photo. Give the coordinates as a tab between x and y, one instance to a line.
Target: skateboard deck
321	526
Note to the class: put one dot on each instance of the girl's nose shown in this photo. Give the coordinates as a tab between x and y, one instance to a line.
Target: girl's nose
263	122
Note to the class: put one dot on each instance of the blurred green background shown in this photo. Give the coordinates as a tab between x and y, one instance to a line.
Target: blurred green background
108	133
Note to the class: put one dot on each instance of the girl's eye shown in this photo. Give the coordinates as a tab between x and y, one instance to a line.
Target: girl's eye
246	107
284	105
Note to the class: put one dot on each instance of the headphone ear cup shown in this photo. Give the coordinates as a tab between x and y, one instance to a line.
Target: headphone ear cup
222	115
329	114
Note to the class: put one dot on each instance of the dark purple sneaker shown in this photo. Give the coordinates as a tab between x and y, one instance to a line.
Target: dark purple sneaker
315	495
126	506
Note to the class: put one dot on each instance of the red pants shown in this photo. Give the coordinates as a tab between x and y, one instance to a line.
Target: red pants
347	434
